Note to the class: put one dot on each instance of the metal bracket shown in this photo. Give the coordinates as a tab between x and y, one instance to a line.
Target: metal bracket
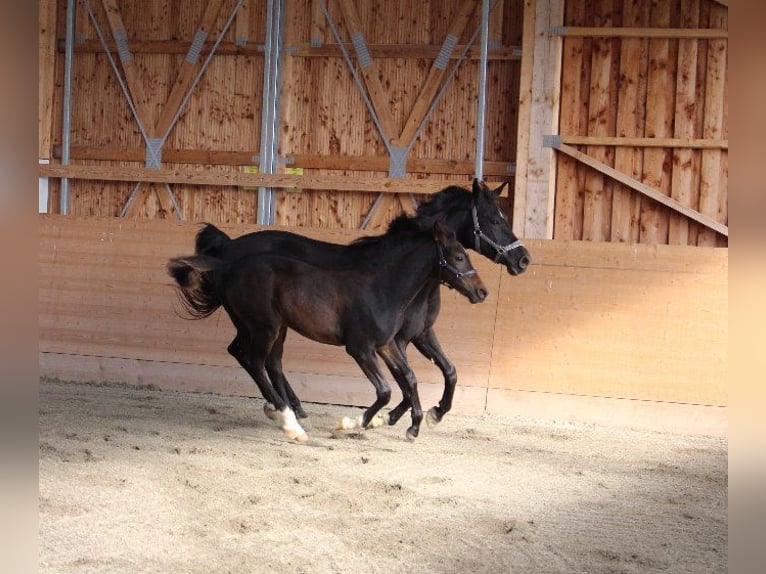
153	153
286	159
365	60
240	40
446	51
557	30
553	141
397	166
196	47
122	46
316	42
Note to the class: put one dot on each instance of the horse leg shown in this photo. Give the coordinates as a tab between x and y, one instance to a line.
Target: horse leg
369	364
396	413
429	346
254	363
401	371
277	376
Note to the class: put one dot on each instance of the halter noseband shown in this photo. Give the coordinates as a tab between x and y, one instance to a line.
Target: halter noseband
479	235
454	270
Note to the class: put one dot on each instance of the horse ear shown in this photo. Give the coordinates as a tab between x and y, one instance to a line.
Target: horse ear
442	231
499	189
477	187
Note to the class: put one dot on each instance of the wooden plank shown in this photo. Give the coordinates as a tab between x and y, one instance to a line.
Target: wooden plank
309	161
133	78
544	118
370	74
682	184
630	124
318	23
186	73
220	178
567	185
598	190
435	75
659	118
45	73
242	22
525	118
650	192
629	32
624	141
299	49
711	194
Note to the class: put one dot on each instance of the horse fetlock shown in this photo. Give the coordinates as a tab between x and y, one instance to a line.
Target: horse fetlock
271	412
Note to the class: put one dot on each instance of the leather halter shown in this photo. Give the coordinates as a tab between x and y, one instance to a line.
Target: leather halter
479	235
454	270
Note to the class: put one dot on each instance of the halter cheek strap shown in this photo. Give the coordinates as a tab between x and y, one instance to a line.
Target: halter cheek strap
479	235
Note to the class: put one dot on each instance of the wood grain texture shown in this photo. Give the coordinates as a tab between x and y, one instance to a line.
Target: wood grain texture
595	319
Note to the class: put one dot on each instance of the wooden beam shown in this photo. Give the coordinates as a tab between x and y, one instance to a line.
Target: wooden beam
301	50
678	142
307	161
132	76
644	189
242	23
186	73
619	32
437	72
45	75
544	118
239	179
378	97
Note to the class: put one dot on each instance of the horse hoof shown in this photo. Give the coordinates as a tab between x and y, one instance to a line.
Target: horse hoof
270	411
378	421
347	423
432	417
411	435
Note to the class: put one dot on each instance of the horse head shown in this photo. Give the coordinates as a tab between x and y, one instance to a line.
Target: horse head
455	268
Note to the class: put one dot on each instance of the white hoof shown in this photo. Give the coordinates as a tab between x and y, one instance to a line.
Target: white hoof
348	423
270	411
431	419
290	425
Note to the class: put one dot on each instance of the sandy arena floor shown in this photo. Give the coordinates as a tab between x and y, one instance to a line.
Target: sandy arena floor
142	480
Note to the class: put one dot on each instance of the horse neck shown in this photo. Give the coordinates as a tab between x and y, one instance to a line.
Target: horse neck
408	268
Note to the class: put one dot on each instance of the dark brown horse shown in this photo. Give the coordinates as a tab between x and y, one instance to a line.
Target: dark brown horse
359	302
479	225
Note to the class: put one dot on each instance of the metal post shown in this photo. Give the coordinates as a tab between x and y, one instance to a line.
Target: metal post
270	111
479	169
67	105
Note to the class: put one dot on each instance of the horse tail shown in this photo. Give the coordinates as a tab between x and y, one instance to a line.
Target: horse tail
210	241
197	279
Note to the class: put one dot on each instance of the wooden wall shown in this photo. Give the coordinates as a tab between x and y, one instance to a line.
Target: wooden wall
643	91
325	130
628	325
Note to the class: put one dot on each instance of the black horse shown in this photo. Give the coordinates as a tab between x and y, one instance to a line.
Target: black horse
359	302
479	225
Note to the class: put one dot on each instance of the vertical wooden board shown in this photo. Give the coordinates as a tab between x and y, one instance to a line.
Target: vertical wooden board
711	201
567	188
598	190
46	70
630	123
659	118
682	181
525	111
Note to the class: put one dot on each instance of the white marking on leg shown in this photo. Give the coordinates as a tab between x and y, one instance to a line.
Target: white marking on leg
348	423
291	427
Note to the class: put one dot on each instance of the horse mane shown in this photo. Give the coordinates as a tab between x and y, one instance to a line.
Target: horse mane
401	225
445	201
